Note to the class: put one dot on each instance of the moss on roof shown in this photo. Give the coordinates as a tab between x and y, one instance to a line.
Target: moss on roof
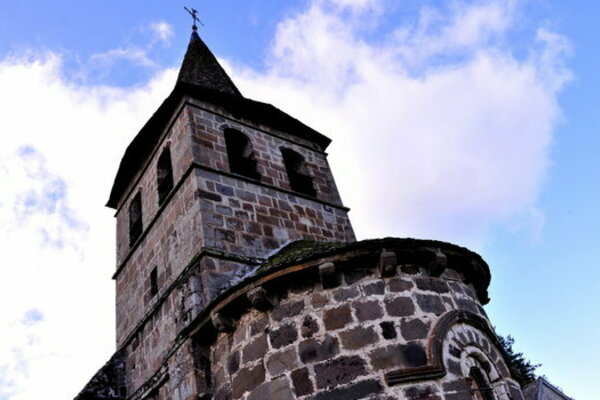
298	251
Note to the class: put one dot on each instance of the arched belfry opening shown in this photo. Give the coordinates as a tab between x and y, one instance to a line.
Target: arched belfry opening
240	154
135	219
299	178
164	175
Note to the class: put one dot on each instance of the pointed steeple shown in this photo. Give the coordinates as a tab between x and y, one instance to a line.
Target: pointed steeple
201	68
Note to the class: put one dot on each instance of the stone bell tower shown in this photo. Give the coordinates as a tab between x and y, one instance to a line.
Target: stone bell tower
238	275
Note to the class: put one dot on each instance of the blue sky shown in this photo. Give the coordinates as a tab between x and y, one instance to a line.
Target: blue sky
468	121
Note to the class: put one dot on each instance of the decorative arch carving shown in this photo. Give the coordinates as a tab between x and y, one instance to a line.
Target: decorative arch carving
435	367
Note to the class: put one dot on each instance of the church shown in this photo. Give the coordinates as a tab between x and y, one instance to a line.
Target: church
239	276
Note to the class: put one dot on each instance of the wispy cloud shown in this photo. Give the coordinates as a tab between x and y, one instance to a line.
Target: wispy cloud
162	31
40	201
32	317
426	121
136	55
421	148
139	54
60	147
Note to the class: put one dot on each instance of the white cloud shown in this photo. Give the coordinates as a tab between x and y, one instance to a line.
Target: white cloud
439	131
421	148
60	147
162	31
138	56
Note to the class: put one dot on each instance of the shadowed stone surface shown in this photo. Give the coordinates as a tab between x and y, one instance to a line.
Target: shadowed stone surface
339	371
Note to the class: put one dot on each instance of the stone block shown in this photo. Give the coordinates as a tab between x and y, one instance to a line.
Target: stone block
454	351
302	382
358	337
414	354
223	393
421	393
343	294
283	336
339	371
319	300
432	285
313	350
374	288
287	310
282	362
356	391
202	194
430	303
386	357
259	325
256	349
458	385
414	329
453	367
309	327
224	190
400	306
367	311
276	389
399	285
233	363
247	379
458	396
337	318
467	305
388	330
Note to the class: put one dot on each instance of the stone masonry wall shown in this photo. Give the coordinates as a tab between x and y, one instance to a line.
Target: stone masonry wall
215	210
339	343
249	219
169	246
178	139
209	150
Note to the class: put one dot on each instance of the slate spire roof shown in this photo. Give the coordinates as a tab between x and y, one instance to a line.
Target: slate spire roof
201	68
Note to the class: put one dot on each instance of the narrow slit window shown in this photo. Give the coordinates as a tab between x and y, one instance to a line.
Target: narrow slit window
300	180
480	389
153	282
204	378
135	219
164	173
240	154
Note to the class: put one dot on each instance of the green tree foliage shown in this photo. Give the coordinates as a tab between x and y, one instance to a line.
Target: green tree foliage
521	368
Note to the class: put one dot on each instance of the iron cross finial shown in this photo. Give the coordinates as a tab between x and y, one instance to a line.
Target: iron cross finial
194	14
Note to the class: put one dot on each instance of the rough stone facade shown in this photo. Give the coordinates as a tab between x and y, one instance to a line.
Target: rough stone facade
240	286
363	335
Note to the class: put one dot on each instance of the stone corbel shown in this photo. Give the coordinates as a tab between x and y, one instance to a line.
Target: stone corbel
328	276
221	322
438	263
387	264
260	299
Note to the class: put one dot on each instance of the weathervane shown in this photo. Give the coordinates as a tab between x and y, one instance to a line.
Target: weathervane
194	14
